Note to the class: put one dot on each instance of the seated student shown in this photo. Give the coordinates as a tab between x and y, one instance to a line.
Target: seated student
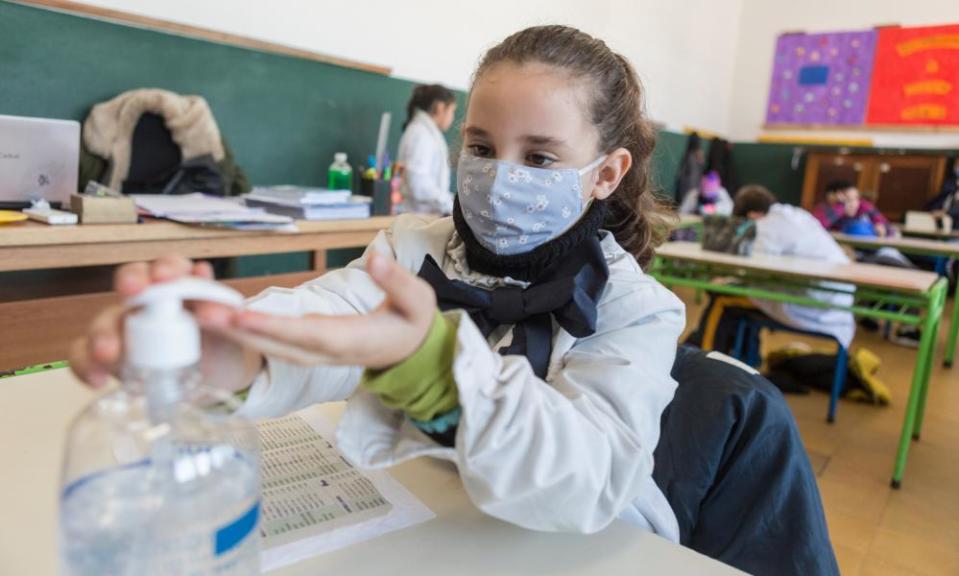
947	202
845	208
781	230
546	378
709	198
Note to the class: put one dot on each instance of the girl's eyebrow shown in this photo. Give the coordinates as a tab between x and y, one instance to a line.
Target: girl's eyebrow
532	139
474	131
543	140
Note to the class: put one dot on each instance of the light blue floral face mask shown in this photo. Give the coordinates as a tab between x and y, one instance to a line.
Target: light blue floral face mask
513	208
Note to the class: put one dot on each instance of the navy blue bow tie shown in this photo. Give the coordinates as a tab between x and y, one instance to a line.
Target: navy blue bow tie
568	292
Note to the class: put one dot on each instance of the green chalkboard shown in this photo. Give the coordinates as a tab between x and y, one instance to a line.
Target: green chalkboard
284	117
770	165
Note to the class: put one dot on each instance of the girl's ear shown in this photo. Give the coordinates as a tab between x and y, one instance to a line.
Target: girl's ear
610	173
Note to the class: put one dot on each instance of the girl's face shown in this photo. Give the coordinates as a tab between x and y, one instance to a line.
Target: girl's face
443	113
535	115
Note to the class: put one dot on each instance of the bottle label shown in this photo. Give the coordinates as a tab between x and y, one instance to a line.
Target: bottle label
231	535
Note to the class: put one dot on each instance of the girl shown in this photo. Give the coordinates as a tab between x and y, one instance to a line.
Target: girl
709	198
425	179
547	374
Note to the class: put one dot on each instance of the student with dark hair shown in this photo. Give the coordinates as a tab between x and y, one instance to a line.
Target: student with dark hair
845	210
710	197
691	168
947	202
786	230
423	153
781	230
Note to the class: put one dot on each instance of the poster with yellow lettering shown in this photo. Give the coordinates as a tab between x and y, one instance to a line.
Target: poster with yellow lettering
915	78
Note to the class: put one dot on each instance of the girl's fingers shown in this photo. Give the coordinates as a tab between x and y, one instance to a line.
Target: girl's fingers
311	332
203	269
131	279
171	267
214	316
407	294
84	368
104	345
370	339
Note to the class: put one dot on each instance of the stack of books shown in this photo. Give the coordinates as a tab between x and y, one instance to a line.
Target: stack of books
309	203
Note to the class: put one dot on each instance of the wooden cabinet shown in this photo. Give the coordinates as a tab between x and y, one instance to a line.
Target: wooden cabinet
896	183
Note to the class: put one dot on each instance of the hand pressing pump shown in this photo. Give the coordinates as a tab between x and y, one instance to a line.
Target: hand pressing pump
159	477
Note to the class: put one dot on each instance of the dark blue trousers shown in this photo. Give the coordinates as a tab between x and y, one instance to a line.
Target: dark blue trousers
732	465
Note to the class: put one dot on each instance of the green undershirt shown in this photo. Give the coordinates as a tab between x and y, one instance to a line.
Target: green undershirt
422	386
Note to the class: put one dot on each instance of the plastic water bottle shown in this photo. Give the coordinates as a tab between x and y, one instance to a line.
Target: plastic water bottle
158	477
340	174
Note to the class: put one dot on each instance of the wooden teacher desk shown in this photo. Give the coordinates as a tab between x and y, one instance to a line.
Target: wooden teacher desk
38	330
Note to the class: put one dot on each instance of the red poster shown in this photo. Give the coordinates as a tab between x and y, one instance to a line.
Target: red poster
915	78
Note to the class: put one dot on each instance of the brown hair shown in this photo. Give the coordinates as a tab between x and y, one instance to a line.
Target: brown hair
637	219
424	97
753	198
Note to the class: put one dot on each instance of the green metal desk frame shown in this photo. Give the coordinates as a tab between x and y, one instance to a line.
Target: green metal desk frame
954	319
916	309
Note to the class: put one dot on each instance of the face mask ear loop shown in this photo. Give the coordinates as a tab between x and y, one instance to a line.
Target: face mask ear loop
586	170
592	165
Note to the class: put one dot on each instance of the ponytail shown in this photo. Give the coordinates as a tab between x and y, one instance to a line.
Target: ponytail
425	96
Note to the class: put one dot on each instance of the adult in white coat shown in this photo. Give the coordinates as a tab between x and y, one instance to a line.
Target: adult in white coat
423	153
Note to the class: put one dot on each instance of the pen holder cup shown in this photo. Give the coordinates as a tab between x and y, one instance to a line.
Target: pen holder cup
380	192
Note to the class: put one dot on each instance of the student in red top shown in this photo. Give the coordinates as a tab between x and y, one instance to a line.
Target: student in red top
845	206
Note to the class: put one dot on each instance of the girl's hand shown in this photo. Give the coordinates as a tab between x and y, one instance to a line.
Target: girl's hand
384	337
99	354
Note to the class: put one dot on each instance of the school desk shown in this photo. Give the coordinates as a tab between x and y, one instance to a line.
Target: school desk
926	233
918	299
36	330
460	541
923	247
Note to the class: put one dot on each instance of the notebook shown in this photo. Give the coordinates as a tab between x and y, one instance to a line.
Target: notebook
357	207
298	195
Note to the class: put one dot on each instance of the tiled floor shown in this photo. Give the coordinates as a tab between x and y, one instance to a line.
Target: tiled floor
876	530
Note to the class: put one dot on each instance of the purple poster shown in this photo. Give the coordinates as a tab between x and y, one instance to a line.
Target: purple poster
821	78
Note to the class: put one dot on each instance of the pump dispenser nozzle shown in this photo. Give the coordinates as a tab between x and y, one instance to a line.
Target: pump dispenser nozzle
162	335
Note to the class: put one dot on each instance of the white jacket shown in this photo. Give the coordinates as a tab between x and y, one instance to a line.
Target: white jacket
570	453
426	167
791	231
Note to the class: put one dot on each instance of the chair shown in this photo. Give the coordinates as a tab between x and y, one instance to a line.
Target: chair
747	337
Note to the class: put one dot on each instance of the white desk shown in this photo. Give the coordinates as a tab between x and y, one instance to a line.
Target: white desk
927	233
898	279
461	541
939	249
917	298
905	244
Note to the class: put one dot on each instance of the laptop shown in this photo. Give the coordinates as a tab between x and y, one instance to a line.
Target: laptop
39	159
926	222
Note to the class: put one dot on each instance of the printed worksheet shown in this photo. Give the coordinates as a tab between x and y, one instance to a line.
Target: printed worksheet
308	487
315	501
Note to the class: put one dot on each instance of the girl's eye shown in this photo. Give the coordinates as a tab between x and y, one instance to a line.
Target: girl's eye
479	150
539	160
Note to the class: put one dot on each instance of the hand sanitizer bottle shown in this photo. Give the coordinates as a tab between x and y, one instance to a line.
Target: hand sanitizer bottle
158	476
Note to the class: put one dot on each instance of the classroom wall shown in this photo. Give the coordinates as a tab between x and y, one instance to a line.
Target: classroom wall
763	20
684	51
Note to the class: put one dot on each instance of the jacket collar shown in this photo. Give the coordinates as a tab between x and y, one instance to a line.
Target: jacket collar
422	117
